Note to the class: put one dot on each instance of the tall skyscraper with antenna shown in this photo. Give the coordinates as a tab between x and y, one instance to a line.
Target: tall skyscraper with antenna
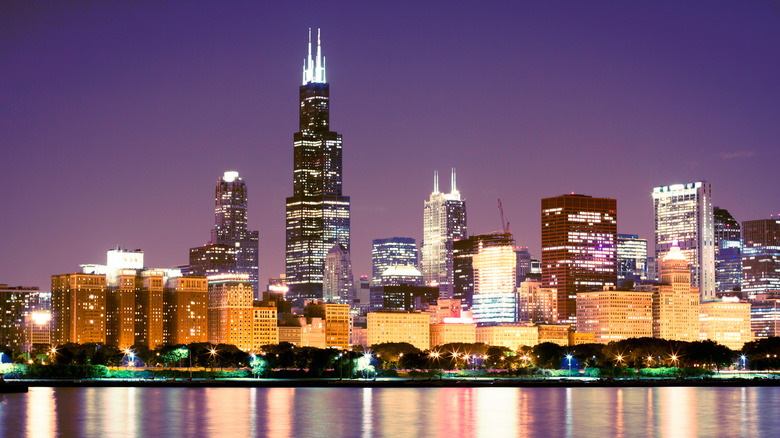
317	213
444	221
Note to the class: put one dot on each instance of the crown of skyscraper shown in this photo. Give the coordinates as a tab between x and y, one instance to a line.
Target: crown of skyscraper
314	69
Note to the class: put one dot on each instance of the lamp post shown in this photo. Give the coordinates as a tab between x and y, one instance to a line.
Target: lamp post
568	356
743	361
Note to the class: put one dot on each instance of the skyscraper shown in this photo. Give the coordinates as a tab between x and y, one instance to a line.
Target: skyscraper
683	214
317	214
675	301
728	251
444	221
338	282
761	257
494	264
389	252
579	238
632	259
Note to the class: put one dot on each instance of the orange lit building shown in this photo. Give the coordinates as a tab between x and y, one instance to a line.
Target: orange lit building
230	314
675	302
726	322
149	293
186	310
613	315
79	308
509	335
397	326
265	329
461	331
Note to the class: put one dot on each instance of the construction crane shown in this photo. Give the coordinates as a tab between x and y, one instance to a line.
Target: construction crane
504	224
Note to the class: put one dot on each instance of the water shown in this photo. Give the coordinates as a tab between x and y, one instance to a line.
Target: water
384	412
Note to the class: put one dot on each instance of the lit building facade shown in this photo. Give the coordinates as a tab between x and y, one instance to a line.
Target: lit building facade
317	215
230	312
393	251
761	256
726	322
411	327
16	306
444	221
683	214
185	307
509	335
445	309
675	301
765	317
337	280
555	333
631	259
264	327
463	271
78	308
579	239
149	293
728	251
536	303
453	332
613	315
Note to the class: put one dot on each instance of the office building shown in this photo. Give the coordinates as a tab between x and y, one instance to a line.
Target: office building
535	303
407	297
393	251
230	310
631	259
613	315
728	251
555	333
444	221
185	310
16	306
264	327
446	309
579	238
761	256
460	331
390	326
149	311
508	335
726	322
675	301
337	280
463	271
78	308
317	214
683	214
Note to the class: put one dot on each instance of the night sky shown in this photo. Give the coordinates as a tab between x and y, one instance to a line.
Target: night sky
117	118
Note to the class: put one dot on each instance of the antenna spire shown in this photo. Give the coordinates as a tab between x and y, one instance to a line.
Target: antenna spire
452	182
314	68
435	181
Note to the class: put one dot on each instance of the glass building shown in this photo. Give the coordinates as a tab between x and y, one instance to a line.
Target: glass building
631	259
338	285
393	251
579	248
761	257
728	251
493	267
444	221
317	214
683	214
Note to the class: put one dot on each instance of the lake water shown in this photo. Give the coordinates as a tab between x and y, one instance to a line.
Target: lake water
385	412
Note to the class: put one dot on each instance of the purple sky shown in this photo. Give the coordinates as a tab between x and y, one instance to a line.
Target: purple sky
117	120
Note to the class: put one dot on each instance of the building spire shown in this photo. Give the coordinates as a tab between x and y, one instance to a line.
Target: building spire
314	68
453	187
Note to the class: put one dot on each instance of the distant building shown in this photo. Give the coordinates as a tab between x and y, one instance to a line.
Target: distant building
264	327
765	317
451	332
613	315
726	322
78	308
494	263
411	327
728	251
398	275
579	254
509	335
761	256
337	322
362	302
444	221
392	251
555	333
463	271
631	259
675	301
408	298
445	309
185	311
337	280
535	303
230	312
683	214
16	307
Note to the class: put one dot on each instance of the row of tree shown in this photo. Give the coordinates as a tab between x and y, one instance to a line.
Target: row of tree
631	353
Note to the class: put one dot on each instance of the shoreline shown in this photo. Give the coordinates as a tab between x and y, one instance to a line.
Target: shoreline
393	383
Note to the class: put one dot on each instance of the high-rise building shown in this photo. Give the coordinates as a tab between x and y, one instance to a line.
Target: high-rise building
230	312
728	251
675	301
78	308
149	292
535	303
525	265
317	214
337	280
444	221
613	315
233	248
391	252
579	239
761	256
463	271
632	259
683	214
494	263
16	305
185	310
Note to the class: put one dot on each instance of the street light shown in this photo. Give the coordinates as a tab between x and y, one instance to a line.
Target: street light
568	356
743	361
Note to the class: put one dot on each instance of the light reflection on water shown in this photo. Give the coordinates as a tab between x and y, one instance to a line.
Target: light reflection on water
379	412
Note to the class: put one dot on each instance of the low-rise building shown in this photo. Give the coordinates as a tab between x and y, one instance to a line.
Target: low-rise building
726	322
555	333
615	315
456	330
410	327
509	335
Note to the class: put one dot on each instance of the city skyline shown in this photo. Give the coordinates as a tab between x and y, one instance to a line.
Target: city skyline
97	126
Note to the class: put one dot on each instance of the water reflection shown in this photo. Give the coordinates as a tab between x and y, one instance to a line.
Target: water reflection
382	412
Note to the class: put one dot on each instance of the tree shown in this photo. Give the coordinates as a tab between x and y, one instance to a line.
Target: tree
548	355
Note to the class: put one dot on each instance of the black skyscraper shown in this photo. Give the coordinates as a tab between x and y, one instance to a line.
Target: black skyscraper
317	213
